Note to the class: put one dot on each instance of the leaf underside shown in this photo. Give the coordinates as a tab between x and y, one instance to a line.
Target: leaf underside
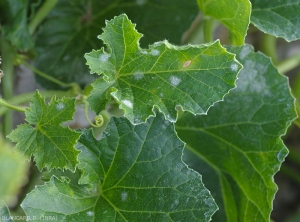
137	175
237	146
163	76
235	15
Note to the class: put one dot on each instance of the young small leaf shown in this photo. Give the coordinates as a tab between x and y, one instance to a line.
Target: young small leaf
237	146
163	76
235	15
139	174
281	19
51	144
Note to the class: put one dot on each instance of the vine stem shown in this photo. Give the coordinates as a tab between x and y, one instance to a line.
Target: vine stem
8	55
46	76
268	47
208	28
10	106
41	14
289	63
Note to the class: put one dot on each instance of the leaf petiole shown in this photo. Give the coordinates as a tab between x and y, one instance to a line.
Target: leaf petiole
46	76
13	107
289	63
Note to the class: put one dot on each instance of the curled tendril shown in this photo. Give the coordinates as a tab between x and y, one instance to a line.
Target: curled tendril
99	120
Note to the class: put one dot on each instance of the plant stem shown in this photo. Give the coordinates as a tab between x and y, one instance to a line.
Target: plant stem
26	97
289	63
10	106
41	14
269	47
46	76
208	28
8	55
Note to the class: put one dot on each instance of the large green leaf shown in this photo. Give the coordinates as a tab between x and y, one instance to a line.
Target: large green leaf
139	174
72	26
164	76
4	213
13	17
13	173
51	144
237	146
234	14
280	19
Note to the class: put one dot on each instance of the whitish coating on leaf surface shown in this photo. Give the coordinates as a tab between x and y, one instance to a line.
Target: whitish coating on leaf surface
193	77
51	144
138	174
237	146
281	19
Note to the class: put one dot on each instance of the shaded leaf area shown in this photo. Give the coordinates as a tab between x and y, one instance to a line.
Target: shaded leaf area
13	173
234	14
13	19
237	146
51	144
164	76
137	173
281	19
72	27
4	212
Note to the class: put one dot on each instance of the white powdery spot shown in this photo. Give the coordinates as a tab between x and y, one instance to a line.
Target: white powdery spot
161	95
127	103
141	2
174	80
155	52
138	75
234	67
104	57
124	196
90	213
60	106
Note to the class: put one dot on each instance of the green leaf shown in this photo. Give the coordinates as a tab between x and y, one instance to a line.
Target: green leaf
164	76
14	23
13	173
4	213
71	28
51	144
237	146
281	19
235	15
139	174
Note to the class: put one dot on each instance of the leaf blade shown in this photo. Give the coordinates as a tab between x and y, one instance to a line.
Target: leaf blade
137	182
235	15
244	132
78	23
163	76
280	20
